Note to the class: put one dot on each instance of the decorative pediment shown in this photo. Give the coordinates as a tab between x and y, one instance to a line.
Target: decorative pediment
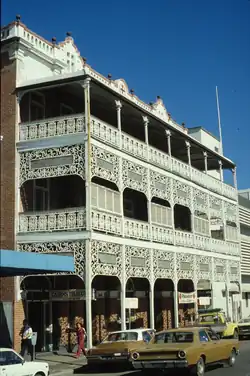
160	109
69	54
122	86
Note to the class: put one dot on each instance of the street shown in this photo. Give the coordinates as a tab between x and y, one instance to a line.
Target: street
242	367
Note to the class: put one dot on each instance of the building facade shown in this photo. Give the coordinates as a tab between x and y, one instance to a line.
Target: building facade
92	171
244	213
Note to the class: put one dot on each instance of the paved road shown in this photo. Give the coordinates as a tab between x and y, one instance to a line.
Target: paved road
242	367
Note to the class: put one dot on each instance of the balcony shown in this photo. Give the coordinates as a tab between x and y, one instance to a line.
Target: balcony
73	219
108	134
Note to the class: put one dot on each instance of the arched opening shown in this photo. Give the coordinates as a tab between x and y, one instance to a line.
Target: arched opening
161	212
231	232
106	309
204	293
52	304
53	193
138	288
135	205
182	218
201	223
186	301
164	304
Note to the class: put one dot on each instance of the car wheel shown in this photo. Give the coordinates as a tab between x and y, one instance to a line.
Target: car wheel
199	369
236	334
232	359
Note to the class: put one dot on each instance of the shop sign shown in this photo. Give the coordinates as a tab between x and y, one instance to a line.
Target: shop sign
204	301
187	297
59	295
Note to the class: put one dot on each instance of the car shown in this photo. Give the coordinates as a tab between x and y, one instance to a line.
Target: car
12	364
244	328
216	319
115	348
187	349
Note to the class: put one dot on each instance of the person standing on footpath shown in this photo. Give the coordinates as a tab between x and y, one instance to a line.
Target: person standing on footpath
81	335
26	335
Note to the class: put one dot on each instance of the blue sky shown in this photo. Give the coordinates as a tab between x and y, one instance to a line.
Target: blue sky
178	49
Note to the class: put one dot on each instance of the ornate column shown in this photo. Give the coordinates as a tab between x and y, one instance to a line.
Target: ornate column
205	161
221	170
175	294
146	122
123	290
151	292
118	105
88	269
168	134
235	177
188	146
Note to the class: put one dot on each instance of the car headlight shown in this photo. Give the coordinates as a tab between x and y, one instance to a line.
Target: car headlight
182	354
135	355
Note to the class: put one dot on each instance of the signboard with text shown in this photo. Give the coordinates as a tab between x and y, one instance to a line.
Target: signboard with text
186	297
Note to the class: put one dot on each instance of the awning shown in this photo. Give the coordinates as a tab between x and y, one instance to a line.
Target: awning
15	263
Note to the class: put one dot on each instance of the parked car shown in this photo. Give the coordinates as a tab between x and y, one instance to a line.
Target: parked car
244	328
12	364
185	348
218	322
115	348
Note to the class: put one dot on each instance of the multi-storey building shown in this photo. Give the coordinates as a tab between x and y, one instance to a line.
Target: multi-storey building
93	171
244	214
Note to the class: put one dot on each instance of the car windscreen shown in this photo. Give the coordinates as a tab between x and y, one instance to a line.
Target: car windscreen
121	336
244	321
174	337
210	319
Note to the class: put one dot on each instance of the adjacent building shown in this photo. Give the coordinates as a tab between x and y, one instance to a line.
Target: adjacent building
90	170
244	211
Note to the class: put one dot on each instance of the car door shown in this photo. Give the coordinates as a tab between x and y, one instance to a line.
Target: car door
11	364
218	346
206	346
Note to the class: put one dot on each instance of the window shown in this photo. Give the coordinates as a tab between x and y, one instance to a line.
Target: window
203	336
105	198
65	110
41	194
37	106
146	337
174	337
128	208
161	214
9	358
212	335
121	336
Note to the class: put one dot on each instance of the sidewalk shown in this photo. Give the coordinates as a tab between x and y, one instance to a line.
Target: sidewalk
61	362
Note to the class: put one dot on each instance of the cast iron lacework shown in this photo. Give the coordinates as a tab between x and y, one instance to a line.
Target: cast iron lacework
233	271
134	176
231	211
142	256
105	165
182	194
204	268
160	186
52	155
185	266
220	270
215	207
77	248
161	261
200	200
105	249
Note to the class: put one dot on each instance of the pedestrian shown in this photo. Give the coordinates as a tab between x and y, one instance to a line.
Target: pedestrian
26	335
81	334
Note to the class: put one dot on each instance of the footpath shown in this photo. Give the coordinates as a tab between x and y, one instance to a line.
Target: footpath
59	363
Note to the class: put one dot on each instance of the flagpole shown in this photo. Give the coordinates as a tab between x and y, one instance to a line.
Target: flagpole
219	122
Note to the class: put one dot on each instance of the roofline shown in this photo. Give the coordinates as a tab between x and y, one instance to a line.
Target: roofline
73	77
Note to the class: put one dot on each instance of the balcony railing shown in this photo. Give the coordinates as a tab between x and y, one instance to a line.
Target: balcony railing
52	127
72	219
106	133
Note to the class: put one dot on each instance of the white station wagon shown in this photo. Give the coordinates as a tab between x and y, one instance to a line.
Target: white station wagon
12	364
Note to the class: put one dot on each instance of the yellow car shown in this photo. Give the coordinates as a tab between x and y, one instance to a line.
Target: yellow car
190	349
217	321
244	328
